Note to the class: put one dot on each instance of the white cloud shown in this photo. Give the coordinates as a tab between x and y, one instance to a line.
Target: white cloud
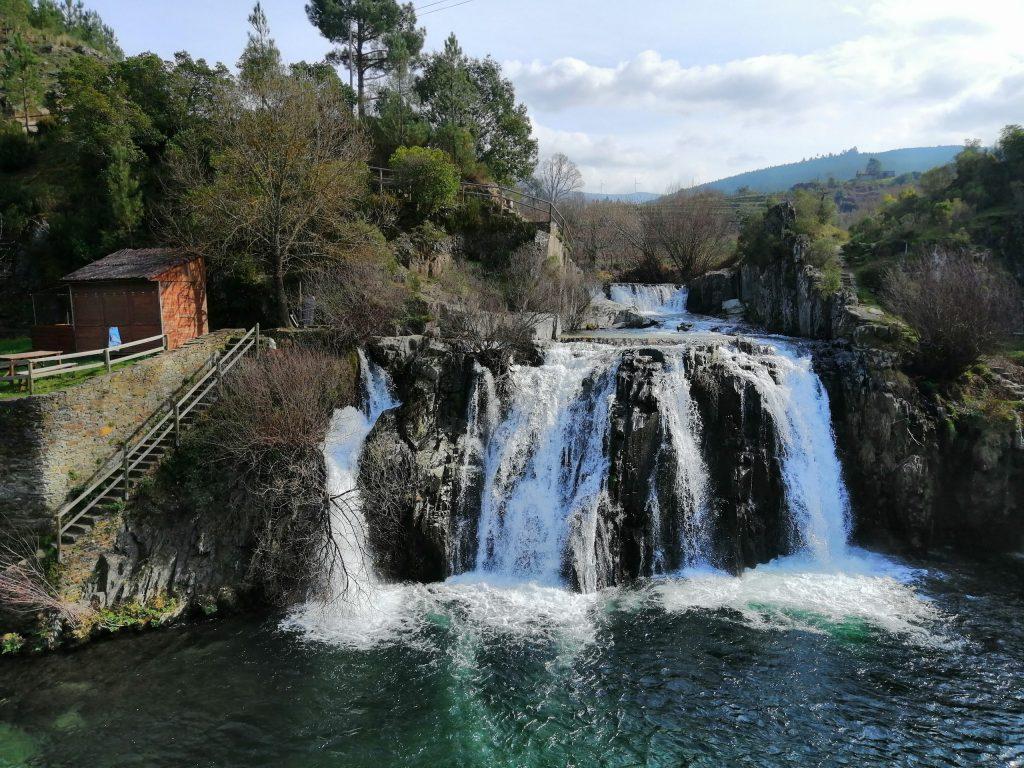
925	73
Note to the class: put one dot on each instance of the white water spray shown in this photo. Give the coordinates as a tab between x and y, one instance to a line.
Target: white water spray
794	396
681	421
661	299
482	418
545	472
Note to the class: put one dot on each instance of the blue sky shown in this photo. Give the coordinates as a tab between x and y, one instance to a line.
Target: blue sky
659	93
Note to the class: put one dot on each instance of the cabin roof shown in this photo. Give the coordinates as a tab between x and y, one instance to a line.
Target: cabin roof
130	264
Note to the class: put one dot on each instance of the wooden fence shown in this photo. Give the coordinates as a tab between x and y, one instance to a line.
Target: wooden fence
57	365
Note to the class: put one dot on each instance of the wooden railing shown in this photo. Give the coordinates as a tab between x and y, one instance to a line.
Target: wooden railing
57	365
147	444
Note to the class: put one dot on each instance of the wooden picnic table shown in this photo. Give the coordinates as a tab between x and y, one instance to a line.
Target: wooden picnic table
13	358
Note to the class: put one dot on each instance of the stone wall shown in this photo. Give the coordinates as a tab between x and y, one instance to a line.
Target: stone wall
50	444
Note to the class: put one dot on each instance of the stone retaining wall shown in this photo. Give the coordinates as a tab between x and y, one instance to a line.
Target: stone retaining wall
51	444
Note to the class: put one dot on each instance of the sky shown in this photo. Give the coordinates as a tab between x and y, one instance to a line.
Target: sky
653	95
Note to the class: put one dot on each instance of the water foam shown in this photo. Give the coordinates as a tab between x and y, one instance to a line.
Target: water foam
815	492
654	299
857	593
546	469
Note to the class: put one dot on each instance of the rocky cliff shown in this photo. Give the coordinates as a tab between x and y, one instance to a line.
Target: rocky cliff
429	533
780	290
926	470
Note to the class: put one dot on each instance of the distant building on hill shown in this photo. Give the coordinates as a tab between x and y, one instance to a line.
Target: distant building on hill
874	171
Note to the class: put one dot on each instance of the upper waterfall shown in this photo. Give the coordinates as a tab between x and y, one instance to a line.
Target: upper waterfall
655	299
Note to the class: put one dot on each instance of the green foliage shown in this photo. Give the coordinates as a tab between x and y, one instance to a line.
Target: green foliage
50	19
975	202
490	237
375	37
11	643
261	59
17	150
21	75
465	97
156	612
426	178
15	345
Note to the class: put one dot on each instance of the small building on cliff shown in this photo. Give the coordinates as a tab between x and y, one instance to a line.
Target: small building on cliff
140	292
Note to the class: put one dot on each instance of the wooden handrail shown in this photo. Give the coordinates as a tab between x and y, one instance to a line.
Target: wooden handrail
98	352
164	422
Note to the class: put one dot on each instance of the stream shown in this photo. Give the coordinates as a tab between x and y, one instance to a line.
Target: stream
830	655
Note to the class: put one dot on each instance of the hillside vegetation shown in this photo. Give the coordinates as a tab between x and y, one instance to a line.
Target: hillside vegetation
842	167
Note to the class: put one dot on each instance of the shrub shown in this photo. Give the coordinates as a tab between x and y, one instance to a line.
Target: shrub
16	148
961	305
269	427
427	179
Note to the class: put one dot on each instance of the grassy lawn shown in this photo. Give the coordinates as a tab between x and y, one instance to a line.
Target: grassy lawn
9	390
14	345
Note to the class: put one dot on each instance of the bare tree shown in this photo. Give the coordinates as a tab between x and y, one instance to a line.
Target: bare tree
961	305
558	178
596	241
643	251
269	427
357	297
288	170
26	587
692	230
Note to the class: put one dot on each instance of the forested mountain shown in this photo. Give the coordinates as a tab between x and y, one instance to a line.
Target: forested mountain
842	167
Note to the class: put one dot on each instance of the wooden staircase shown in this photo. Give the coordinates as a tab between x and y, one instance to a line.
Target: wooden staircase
143	451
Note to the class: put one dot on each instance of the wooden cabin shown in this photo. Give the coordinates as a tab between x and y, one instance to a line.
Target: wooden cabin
141	292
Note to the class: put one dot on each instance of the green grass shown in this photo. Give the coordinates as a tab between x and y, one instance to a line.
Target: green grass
10	390
14	345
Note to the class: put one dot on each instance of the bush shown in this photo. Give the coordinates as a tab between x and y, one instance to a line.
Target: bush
17	151
269	428
426	178
961	305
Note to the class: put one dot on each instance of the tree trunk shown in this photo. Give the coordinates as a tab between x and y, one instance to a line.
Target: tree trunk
279	291
360	71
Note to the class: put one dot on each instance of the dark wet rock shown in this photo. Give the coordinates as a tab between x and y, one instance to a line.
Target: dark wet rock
921	472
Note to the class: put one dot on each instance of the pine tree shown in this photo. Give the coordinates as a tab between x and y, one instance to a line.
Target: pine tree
375	37
21	75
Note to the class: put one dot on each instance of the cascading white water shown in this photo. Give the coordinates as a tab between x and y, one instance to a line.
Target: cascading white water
546	468
662	299
481	420
681	423
815	492
350	427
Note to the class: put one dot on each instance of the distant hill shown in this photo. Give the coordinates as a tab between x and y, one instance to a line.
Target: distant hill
632	197
841	167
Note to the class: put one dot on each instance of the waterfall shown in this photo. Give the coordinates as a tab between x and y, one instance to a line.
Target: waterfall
794	396
660	299
348	432
376	389
682	427
481	420
546	468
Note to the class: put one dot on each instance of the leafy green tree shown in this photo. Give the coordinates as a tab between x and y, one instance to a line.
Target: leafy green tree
124	193
462	95
283	177
260	62
426	178
21	75
373	37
